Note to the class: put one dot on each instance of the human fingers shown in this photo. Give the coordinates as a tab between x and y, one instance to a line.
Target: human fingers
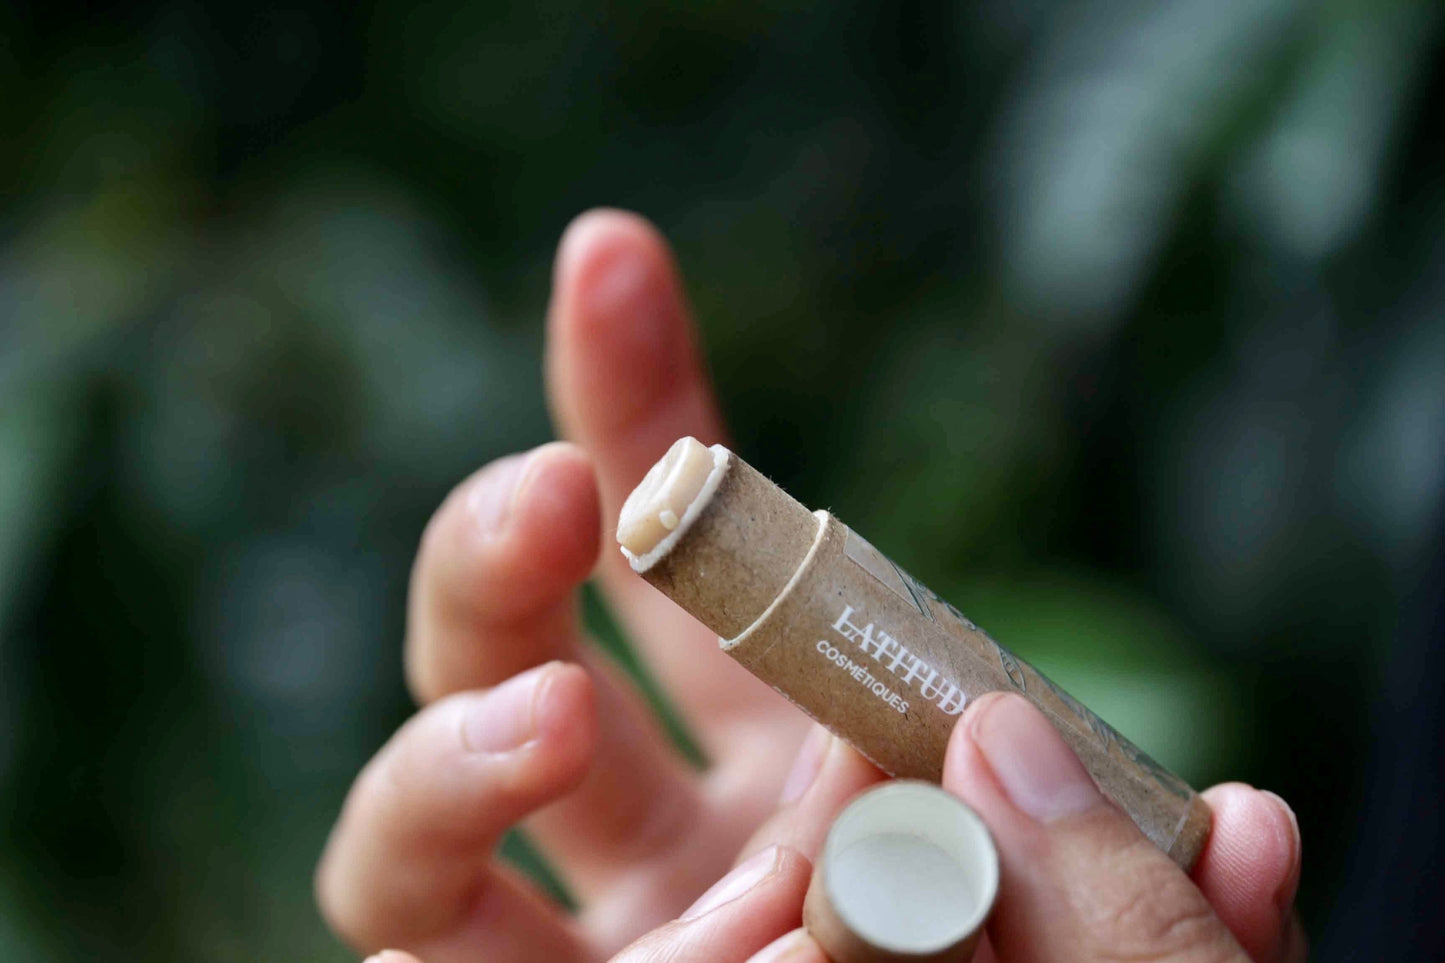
492	589
1078	881
1250	869
636	840
750	907
625	380
409	862
625	377
794	947
826	774
493	593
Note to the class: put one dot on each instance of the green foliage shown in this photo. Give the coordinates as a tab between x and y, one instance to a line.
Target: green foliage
1115	323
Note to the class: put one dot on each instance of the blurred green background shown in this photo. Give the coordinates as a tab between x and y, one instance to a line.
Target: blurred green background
1117	323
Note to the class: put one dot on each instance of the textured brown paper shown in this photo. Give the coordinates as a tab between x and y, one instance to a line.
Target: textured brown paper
871	653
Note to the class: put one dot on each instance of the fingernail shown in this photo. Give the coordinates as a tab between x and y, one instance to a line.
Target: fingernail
807	764
494	492
748	874
792	946
1284	897
506	717
1040	774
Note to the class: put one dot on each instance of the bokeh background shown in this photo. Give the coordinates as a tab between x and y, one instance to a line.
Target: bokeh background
1118	323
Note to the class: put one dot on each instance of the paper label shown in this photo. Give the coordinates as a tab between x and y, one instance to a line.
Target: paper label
853	620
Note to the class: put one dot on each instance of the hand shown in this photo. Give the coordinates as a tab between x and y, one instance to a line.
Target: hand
524	723
1079	883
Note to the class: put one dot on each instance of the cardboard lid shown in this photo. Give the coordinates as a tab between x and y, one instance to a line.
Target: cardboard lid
908	872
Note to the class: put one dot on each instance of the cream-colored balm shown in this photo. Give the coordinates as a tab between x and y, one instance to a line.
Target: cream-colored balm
908	872
818	613
658	504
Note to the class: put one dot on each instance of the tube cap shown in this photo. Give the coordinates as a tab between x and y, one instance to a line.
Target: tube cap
907	873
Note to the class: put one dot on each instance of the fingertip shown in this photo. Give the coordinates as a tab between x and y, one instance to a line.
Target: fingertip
554	536
500	560
1287	828
808	763
550	714
966	773
1250	867
827	774
566	718
620	339
1254	843
750	907
959	741
599	226
795	947
616	290
793	864
517	535
520	743
419	826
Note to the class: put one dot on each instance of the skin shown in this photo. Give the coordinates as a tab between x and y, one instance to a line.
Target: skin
523	723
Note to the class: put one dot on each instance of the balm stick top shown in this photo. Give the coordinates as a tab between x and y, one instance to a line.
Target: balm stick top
659	502
714	535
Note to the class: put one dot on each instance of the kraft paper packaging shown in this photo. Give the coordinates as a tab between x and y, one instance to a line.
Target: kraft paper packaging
814	610
918	909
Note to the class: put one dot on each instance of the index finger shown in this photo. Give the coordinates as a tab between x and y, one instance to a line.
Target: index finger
625	380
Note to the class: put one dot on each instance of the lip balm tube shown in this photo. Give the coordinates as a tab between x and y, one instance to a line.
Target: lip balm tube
908	874
815	611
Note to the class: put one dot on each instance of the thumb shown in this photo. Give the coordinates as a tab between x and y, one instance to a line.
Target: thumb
1078	881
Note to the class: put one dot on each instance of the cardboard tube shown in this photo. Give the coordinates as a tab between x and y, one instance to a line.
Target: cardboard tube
908	874
822	616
